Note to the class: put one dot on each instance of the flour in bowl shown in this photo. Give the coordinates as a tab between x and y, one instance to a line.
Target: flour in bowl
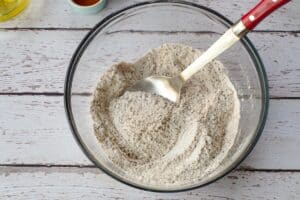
156	141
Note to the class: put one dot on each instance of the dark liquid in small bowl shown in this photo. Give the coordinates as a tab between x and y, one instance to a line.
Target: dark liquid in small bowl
85	2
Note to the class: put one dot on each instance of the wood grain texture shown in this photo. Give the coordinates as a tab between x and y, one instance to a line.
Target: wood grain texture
83	183
35	51
34	130
36	61
58	14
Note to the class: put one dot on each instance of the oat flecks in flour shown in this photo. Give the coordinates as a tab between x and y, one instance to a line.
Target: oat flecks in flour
154	140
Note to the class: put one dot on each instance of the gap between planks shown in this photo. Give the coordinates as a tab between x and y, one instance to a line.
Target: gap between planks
89	94
134	31
240	169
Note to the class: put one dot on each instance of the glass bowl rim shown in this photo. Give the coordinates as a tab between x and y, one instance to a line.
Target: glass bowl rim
247	44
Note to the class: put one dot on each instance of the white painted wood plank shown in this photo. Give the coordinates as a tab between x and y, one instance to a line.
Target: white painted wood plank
279	53
83	183
278	146
58	14
36	61
34	130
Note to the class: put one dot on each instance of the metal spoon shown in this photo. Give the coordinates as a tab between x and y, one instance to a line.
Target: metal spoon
170	87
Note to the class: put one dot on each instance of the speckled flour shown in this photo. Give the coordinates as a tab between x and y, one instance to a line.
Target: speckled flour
157	141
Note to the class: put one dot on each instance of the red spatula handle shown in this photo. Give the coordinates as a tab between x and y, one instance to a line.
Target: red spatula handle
260	11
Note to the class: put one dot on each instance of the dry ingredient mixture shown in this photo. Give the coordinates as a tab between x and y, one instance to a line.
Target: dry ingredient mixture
159	142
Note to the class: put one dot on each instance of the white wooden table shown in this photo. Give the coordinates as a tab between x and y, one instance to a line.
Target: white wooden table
39	158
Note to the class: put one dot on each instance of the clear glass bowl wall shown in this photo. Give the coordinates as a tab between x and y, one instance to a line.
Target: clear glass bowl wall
130	33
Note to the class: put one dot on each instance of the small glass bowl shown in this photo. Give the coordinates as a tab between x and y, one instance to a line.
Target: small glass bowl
128	34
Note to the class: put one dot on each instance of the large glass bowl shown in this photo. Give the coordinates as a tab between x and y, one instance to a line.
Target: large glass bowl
128	34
